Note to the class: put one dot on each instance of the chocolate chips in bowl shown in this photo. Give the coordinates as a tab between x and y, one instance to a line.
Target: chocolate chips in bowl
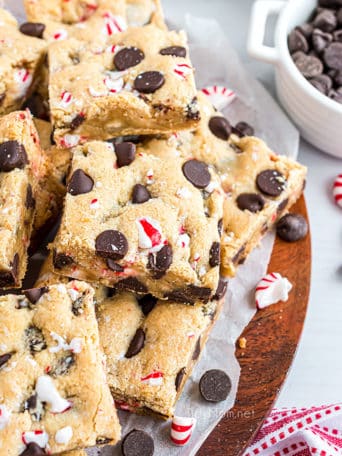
316	48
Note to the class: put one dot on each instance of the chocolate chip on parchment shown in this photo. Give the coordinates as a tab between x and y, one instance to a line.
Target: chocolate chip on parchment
61	260
332	56
80	183
30	202
271	182
128	57
161	261
32	449
292	227
5	358
221	289
149	82
111	244
197	173
179	378
137	443
214	254
140	194
176	51
308	65
297	42
35	29
147	304
215	385
12	155
220	127
137	344
243	129
325	21
125	153
320	40
132	284
34	294
114	266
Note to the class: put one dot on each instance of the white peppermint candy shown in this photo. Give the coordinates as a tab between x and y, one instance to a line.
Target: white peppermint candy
5	415
184	193
150	233
219	96
64	435
114	24
66	99
182	70
183	240
337	190
60	35
181	429
150	177
47	392
39	437
97	93
75	345
24	80
113	84
153	379
69	141
271	289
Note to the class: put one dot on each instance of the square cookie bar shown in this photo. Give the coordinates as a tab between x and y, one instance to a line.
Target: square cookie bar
53	390
141	83
151	348
22	165
20	59
141	219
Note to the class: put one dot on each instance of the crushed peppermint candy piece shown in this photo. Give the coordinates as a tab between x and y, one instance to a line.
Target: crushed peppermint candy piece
69	141
66	99
183	240
64	435
60	35
211	187
114	24
182	70
97	93
75	345
150	177
219	96
40	437
181	429
337	190
183	193
150	233
94	204
153	379
271	289
114	81
5	415
47	392
24	80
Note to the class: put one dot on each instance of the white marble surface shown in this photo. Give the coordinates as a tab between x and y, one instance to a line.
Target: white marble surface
316	375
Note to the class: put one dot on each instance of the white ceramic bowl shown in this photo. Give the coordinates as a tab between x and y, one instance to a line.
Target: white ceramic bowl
318	118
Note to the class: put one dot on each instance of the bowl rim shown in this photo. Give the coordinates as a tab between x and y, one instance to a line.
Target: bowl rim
286	59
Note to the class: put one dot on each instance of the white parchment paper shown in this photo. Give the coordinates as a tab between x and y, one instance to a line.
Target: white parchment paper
217	63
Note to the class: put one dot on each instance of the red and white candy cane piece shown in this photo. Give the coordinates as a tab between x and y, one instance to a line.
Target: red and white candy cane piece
153	379
114	24
5	415
69	141
182	429
47	392
150	233
66	98
38	436
271	289
114	83
337	190
60	35
219	96
182	70
24	80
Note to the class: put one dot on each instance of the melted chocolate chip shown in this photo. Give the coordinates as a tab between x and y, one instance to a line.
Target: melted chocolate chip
77	121
214	254
35	407
32	449
127	58
34	294
197	173
61	260
32	29
80	183
220	127
12	155
132	284
149	82
197	350
147	304
63	366
5	358
140	194
114	266
271	182
221	289
137	443
30	202
161	261
215	386
179	378
137	344
192	110
292	227
176	51
35	339
125	153
111	244
252	202
77	306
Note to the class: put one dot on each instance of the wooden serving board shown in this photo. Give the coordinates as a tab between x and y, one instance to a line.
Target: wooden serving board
272	339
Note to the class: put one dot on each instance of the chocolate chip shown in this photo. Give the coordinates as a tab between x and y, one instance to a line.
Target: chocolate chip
179	378
137	443
197	350
161	261
35	407
252	202
34	294
114	266
127	58
63	366
77	306
111	244
271	182
308	65
214	254
132	284
220	227
77	121
5	358
192	110
137	344
37	106
80	183
282	205
325	21
149	82
332	56
197	173
32	449
176	51
61	260
292	227
140	194
30	202
32	29
297	42
320	40
221	289
190	294
147	304
215	385
243	129
35	339
12	155
220	127
125	153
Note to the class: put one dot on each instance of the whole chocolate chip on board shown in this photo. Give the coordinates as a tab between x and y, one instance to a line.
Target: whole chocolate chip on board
132	284
149	82
320	40
80	183
140	194
12	155
137	344
30	202
32	449
243	129
292	227
34	294
114	266
111	244
176	51
297	42
179	378
309	65
271	182
197	173
214	254
127	58
325	21
137	443
220	127
332	56
32	29
221	289
4	359
215	386
125	153
61	260
147	304
252	202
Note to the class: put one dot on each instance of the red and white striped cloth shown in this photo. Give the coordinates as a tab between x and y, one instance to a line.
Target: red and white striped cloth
300	432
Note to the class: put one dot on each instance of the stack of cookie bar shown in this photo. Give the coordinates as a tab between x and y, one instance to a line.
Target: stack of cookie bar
159	200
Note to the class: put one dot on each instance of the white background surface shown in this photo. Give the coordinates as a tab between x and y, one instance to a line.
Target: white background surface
316	375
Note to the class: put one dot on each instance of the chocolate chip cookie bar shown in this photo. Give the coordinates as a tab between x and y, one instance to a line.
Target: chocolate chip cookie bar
142	219
142	82
151	348
20	59
53	391
21	168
